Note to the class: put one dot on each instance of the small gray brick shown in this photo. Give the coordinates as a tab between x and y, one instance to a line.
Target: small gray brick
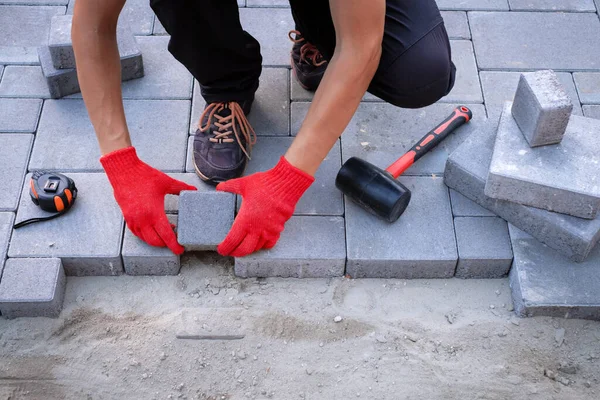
421	244
6	223
19	115
274	42
59	82
563	178
544	283
467	88
541	108
24	81
588	86
32	287
309	247
592	111
136	13
205	218
466	172
87	238
552	5
14	155
464	207
172	201
492	5
484	249
456	24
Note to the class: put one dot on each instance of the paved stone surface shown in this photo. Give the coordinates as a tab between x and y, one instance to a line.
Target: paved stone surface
456	24
19	115
136	13
532	40
472	4
22	30
189	162
420	244
87	238
563	178
274	42
32	287
14	154
545	283
467	88
23	81
592	111
464	207
466	172
309	247
6	223
588	86
172	201
59	82
205	218
65	140
484	249
552	5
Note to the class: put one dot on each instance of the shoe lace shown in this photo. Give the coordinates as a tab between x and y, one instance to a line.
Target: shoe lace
308	52
228	124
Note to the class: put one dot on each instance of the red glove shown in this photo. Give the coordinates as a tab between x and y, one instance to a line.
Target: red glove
140	192
269	200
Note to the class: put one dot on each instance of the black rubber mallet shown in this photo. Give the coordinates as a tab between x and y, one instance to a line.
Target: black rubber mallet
377	190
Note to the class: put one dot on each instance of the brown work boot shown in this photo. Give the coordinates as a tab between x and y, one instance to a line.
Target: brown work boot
307	62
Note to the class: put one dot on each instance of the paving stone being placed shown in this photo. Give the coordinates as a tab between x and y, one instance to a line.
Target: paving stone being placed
484	249
32	287
493	5
456	24
466	172
65	140
536	40
6	223
14	155
544	283
87	238
541	108
467	88
592	111
23	81
421	244
205	218
309	247
19	115
588	86
136	13
564	178
274	42
552	5
59	82
464	207
172	201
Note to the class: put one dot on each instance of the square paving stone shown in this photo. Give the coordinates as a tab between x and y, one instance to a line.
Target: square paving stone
7	220
466	172
421	244
552	5
544	283
136	13
270	27
59	82
22	30
588	86
24	81
14	155
562	178
19	115
464	207
172	201
592	111
484	249
467	88
32	287
473	4
456	24
380	133
536	40
65	140
87	238
309	247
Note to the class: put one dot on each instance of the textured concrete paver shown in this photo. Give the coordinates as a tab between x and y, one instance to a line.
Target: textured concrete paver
552	5
274	42
19	115
464	207
456	24
420	244
6	223
59	82
467	88
473	4
14	155
23	81
588	86
136	13
309	247
592	111
172	201
87	238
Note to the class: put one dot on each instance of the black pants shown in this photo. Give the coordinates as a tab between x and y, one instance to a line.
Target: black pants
206	36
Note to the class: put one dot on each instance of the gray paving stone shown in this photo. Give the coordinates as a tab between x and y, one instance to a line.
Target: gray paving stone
467	88
456	24
22	30
136	13
309	247
588	86
466	172
6	223
19	115
500	87
563	178
87	238
536	40
544	283
32	287
140	258
205	218
24	81
484	249
552	5
494	5
421	244
65	140
172	201
464	207
59	82
592	111
274	42
381	133
14	155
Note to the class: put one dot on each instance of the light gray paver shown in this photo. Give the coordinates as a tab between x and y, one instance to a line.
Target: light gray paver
87	238
456	24
464	207
24	81
536	40
564	178
592	111
421	244
136	13
6	223
484	249
545	283
588	86
467	88
274	42
14	155
32	287
205	218
466	172
172	201
552	5
66	142
19	115
309	247
59	82
496	5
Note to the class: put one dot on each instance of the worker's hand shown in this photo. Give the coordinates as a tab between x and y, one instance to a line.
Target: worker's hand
269	200
140	192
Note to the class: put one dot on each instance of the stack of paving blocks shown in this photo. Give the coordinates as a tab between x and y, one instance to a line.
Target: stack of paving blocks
58	60
539	169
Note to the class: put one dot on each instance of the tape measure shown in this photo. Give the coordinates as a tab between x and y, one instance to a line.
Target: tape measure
52	192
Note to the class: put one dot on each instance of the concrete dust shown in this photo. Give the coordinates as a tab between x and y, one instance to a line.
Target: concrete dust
294	339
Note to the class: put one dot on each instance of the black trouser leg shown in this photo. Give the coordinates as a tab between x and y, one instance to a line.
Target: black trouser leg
208	39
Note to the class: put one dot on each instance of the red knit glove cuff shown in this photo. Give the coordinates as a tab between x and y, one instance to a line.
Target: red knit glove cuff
119	160
288	182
